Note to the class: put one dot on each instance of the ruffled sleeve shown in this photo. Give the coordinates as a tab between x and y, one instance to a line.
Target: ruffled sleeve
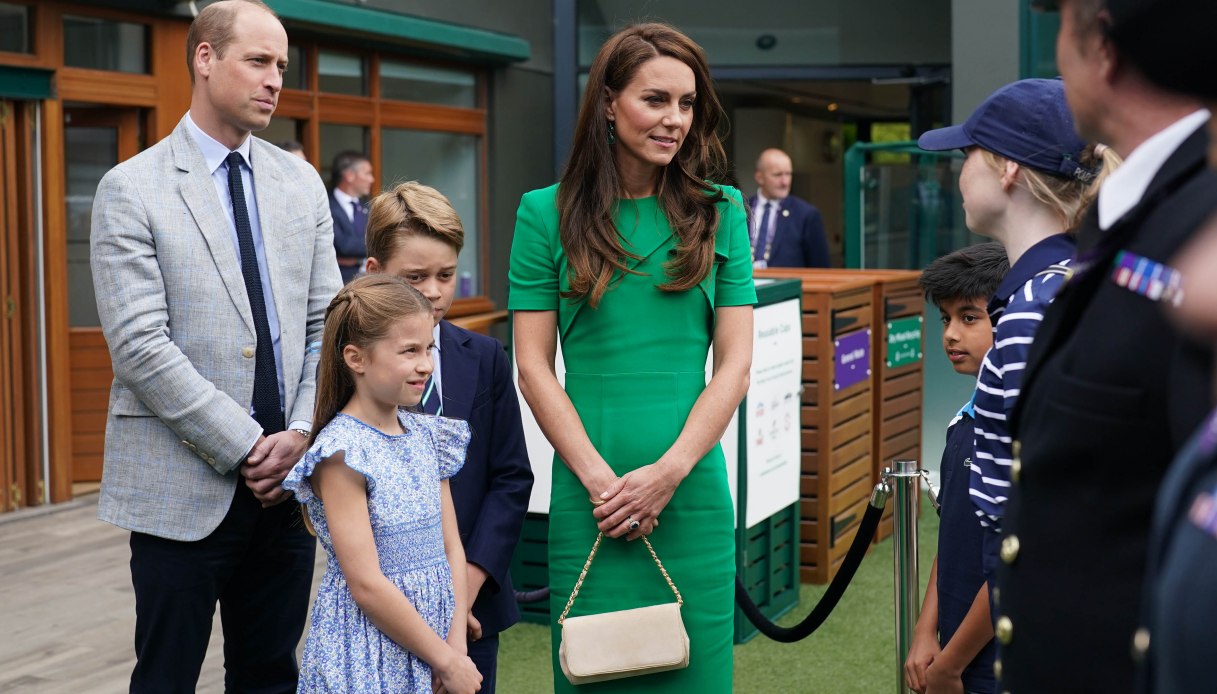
451	438
298	479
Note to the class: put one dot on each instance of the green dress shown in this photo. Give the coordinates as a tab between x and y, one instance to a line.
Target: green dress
634	367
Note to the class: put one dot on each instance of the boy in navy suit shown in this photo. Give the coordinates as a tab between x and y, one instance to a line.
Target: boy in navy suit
952	647
414	232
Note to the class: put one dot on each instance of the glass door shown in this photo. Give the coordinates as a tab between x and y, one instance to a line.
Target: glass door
95	140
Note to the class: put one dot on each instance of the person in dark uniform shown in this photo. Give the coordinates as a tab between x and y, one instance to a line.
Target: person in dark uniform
1180	611
1112	390
953	641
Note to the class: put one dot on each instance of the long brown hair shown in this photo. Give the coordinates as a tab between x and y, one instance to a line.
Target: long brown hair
591	185
410	209
360	314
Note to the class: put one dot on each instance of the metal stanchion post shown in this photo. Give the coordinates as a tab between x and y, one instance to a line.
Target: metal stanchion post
904	477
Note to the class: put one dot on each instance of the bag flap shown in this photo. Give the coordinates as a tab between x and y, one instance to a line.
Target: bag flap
637	639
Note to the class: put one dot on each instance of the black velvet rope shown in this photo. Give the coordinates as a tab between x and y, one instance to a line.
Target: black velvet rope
849	566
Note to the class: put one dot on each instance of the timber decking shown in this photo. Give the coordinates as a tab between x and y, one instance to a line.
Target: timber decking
68	607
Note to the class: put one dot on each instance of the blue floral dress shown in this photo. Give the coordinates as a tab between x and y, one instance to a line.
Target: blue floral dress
345	652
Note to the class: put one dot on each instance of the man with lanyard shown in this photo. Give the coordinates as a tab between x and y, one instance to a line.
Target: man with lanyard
786	231
1111	390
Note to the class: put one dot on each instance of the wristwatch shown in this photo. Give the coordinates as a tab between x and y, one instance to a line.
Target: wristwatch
303	432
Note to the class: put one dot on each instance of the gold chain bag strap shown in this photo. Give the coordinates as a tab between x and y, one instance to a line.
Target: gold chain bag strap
625	643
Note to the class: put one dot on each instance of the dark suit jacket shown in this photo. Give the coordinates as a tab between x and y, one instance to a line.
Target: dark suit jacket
491	491
348	241
798	239
1111	394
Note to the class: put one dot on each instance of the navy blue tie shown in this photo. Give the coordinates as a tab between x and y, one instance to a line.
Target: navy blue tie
763	238
359	220
432	400
268	409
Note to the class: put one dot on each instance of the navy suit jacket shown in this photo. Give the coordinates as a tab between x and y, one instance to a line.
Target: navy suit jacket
348	241
798	239
491	491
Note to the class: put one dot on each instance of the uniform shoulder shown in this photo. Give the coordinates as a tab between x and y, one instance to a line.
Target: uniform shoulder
796	203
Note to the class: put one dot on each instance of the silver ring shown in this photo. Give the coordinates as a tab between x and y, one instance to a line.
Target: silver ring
633	524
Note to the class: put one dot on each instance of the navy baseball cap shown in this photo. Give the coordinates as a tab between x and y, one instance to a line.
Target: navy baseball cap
1026	121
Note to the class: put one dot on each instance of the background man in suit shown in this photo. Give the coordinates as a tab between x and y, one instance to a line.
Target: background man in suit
1111	390
785	231
351	176
417	235
213	262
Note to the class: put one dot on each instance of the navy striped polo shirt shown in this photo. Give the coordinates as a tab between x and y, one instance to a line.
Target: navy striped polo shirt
1016	311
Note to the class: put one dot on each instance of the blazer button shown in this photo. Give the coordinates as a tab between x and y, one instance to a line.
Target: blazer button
1140	644
247	352
1016	469
997	668
1004	630
1009	548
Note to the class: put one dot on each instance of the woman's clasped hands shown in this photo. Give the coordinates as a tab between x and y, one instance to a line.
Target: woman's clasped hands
630	505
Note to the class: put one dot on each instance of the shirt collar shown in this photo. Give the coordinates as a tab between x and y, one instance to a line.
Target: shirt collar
1048	251
345	200
214	152
435	336
761	200
969	407
1125	187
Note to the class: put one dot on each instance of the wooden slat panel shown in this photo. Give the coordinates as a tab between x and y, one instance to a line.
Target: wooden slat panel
851	429
90	380
899	423
904	403
897	385
856	404
810	438
850	472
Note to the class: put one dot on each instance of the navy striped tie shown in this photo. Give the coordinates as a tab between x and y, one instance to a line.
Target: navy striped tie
268	409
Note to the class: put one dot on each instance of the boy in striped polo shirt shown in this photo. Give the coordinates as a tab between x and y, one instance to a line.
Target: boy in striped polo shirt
1025	183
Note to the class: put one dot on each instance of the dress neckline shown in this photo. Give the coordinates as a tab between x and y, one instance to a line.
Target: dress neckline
400	419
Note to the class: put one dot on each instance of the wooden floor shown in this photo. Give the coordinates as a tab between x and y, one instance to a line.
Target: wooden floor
67	611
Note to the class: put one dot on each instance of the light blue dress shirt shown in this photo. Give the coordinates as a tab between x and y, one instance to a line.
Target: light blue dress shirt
215	154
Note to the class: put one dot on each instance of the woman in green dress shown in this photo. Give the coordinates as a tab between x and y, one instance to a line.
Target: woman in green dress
637	263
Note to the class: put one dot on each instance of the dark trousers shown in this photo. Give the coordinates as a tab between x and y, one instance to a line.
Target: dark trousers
485	655
258	564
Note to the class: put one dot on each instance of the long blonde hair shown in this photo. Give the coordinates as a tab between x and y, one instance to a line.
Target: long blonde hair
1069	198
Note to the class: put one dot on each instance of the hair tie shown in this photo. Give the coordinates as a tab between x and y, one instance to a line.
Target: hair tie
1099	150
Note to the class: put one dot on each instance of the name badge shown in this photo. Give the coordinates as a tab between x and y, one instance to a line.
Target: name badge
1148	278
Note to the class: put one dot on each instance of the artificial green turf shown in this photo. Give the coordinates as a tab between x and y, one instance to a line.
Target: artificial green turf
854	651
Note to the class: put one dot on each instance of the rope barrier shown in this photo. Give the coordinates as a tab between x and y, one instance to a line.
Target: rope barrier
849	566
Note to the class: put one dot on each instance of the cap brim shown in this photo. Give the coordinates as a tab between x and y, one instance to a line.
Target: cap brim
942	139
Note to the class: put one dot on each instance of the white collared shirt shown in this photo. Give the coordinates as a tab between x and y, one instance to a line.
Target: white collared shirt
345	201
759	214
1125	187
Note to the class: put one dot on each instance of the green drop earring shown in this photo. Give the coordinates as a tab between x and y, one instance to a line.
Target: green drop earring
612	132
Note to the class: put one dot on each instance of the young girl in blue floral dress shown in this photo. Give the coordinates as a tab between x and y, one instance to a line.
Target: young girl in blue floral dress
390	612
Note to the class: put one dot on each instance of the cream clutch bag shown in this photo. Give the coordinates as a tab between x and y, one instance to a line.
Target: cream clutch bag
625	643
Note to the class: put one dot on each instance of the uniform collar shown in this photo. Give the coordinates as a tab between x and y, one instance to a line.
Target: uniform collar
1125	187
1048	251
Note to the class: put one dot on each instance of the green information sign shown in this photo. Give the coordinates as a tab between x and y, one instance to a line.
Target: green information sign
903	341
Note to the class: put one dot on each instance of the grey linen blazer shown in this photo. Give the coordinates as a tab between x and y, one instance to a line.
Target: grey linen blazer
176	318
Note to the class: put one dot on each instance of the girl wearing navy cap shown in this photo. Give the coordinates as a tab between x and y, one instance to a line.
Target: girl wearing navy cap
1026	182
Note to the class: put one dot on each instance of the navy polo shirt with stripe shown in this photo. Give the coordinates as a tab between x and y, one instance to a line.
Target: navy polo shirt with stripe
1016	311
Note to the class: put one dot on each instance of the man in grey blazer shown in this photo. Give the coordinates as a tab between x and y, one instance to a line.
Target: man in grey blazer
213	263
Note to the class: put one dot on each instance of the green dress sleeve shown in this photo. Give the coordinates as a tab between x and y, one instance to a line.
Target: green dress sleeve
532	274
733	285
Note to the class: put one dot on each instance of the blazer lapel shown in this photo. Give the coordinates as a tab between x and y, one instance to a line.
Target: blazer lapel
200	195
272	217
459	371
